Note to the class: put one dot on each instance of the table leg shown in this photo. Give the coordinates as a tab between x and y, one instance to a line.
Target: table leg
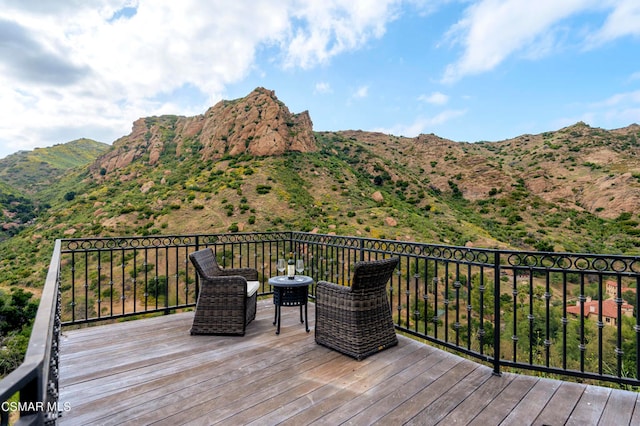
279	314
306	318
275	317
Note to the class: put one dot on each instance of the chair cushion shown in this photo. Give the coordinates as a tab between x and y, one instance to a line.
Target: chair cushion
252	287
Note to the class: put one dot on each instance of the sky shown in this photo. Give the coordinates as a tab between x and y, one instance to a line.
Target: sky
484	70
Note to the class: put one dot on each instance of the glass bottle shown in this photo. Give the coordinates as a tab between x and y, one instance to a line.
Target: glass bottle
291	267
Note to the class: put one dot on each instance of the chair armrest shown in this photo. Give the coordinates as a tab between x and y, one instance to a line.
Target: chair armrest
249	274
226	285
332	287
332	295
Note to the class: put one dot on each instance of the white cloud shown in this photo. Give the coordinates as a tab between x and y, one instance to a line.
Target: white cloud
332	27
616	111
323	87
361	92
423	124
435	98
629	98
492	30
623	21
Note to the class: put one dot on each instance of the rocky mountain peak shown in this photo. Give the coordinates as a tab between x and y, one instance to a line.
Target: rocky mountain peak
258	124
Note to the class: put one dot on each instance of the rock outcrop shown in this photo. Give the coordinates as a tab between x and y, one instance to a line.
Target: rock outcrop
258	124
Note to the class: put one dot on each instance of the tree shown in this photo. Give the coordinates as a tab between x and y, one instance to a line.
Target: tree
17	312
573	339
12	351
629	296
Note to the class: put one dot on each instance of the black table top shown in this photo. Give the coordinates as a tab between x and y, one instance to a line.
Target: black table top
284	281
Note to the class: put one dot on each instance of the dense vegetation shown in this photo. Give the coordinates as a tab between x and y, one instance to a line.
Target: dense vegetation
16	212
17	310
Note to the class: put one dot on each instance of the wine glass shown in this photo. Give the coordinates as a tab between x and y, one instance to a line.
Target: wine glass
299	266
281	266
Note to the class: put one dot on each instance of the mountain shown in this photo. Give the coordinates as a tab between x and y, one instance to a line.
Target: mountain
258	124
578	167
30	171
24	174
251	165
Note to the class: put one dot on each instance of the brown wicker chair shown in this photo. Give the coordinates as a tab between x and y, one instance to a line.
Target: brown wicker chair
227	299
356	320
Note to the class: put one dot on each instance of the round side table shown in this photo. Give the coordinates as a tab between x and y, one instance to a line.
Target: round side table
290	292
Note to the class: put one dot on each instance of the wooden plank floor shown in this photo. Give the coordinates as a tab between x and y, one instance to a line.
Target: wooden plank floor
153	371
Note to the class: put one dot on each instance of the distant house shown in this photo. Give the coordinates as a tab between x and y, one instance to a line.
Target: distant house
609	310
612	289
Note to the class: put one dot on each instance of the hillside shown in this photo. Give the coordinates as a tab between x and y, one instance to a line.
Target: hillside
25	174
31	171
251	165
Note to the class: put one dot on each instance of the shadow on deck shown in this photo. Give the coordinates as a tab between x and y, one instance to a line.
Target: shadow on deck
153	371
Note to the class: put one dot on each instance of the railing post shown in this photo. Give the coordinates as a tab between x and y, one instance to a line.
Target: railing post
362	250
197	292
30	396
496	314
291	244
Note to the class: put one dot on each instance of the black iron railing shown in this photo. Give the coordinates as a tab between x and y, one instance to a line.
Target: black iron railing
106	278
559	313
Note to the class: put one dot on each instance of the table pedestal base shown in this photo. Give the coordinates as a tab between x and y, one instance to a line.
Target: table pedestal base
290	296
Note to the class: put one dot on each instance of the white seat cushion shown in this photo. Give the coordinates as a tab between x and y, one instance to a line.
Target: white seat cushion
252	287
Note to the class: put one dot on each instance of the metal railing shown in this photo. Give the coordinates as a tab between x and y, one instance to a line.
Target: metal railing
556	313
107	278
36	379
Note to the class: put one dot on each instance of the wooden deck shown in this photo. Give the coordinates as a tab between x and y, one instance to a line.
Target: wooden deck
153	371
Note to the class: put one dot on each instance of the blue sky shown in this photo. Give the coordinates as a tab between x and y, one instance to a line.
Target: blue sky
464	70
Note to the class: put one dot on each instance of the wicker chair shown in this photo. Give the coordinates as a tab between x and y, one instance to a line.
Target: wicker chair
227	299
356	320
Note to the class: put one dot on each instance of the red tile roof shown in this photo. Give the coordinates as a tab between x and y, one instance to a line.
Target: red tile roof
609	308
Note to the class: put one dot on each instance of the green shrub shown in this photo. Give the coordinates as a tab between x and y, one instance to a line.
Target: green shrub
263	189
